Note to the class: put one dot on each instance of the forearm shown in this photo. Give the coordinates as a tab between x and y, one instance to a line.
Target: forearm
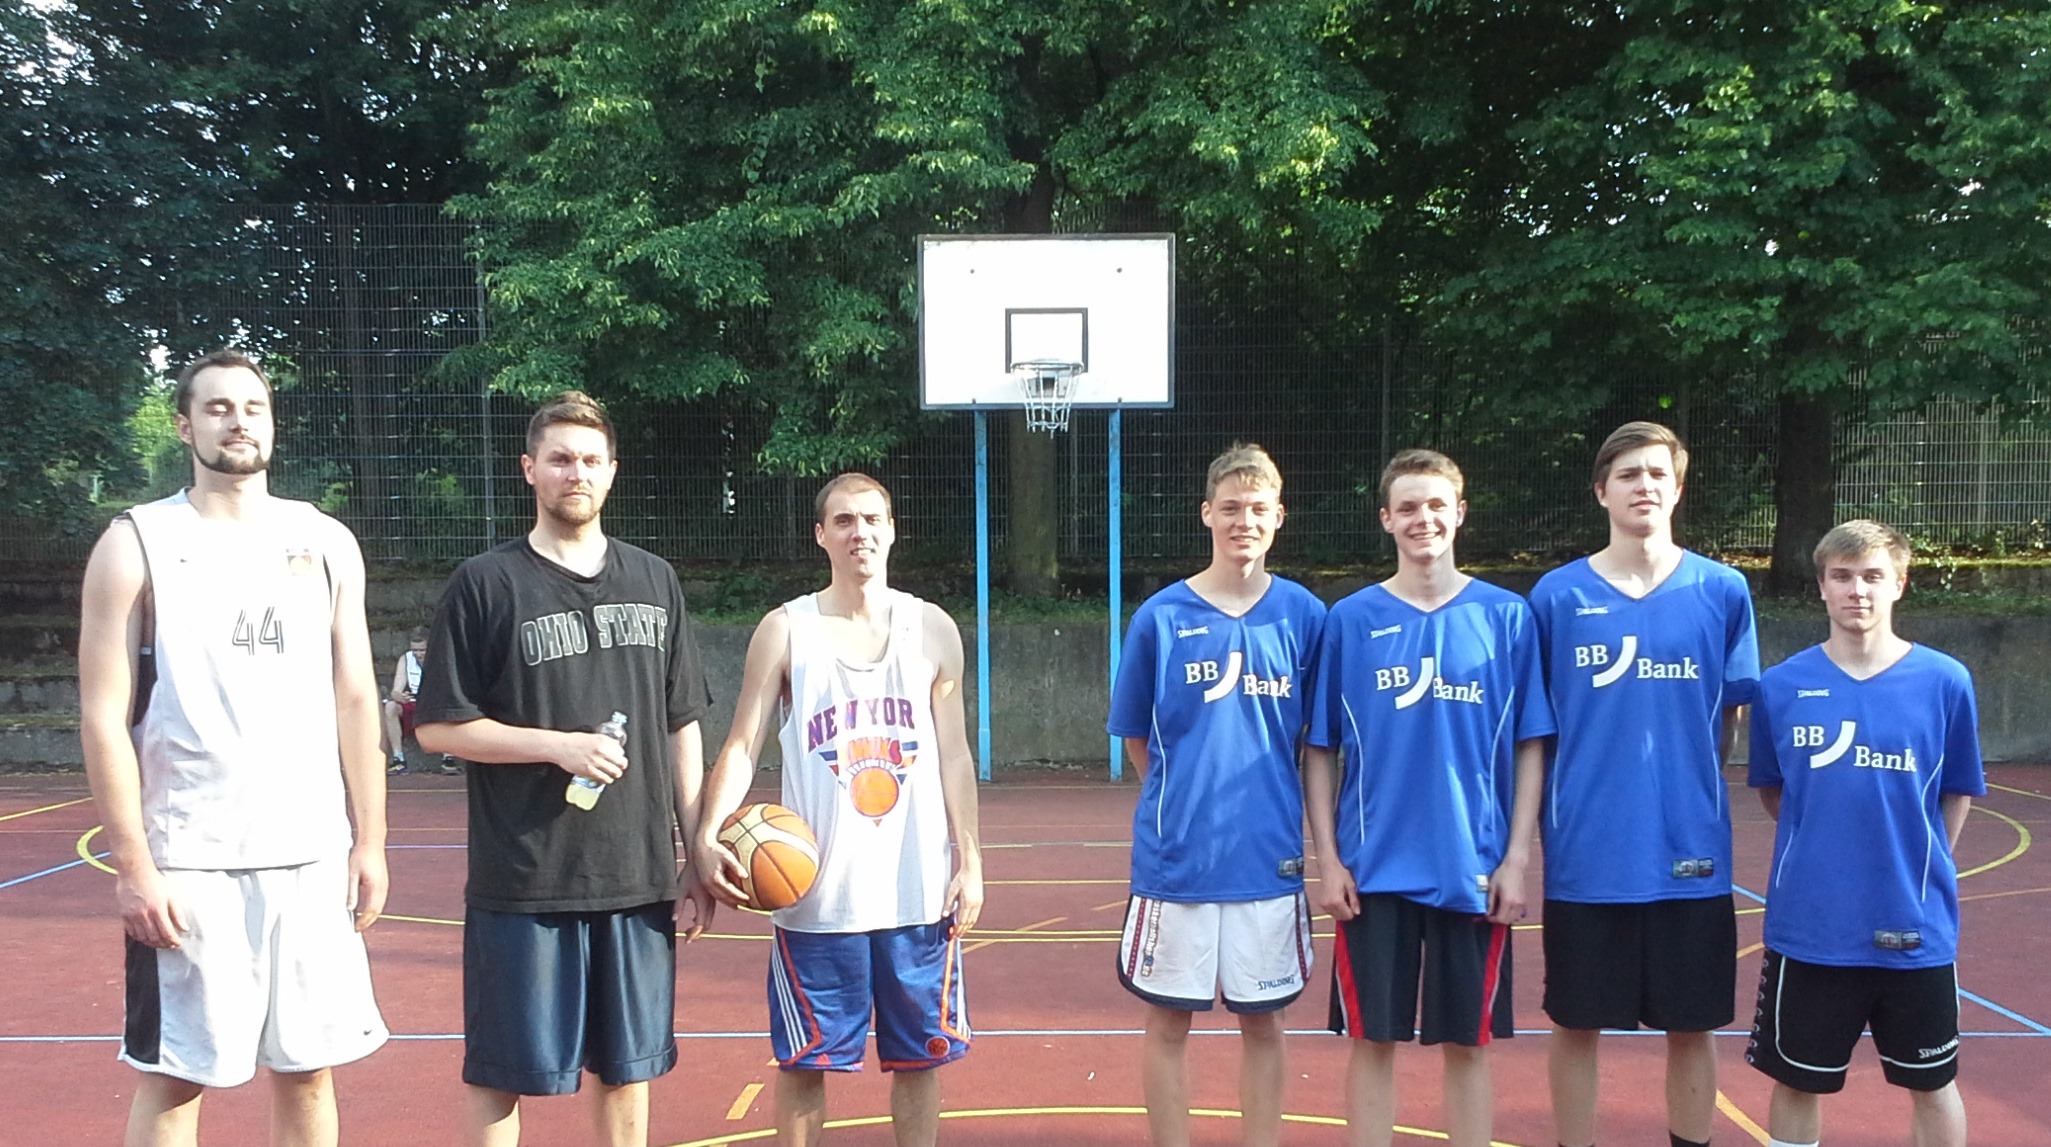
1321	799
1769	798
1524	806
1728	739
725	788
363	772
687	749
958	793
488	742
1954	806
115	777
1136	753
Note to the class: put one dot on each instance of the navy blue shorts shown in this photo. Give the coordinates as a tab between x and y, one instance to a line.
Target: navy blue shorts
551	995
824	985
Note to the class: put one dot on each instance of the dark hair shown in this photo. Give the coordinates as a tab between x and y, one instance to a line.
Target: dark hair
1632	435
181	395
853	482
571	408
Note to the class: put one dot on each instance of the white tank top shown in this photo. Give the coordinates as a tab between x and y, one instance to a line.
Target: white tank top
412	664
861	764
241	765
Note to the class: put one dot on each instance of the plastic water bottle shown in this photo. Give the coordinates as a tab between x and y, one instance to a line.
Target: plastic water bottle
583	792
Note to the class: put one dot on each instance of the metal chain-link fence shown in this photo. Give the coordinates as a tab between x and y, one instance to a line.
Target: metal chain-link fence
358	309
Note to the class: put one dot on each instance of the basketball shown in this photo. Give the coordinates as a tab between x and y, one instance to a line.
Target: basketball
776	850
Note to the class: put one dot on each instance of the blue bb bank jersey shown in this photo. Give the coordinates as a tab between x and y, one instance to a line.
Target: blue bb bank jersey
1635	803
1426	710
1220	700
1859	856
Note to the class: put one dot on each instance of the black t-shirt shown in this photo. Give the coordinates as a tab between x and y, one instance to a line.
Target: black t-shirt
521	640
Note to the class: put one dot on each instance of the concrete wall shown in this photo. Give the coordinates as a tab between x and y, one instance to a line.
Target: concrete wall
1050	698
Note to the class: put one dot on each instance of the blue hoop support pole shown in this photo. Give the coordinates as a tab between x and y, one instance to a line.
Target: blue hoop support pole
1116	570
982	596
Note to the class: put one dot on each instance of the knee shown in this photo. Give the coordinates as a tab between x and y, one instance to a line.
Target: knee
1167	1025
1265	1028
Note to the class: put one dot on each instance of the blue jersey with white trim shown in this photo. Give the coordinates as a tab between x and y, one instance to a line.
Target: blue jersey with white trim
1635	804
1863	874
1220	701
1427	709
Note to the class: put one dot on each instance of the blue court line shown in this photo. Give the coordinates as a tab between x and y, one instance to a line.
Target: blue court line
50	871
2035	1027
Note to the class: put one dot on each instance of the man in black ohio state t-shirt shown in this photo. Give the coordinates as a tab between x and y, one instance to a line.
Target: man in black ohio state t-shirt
569	951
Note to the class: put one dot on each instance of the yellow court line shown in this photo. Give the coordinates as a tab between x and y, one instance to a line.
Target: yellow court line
1748	950
1015	1112
45	808
2022	843
1744	1122
85	851
1999	895
1027	928
740	1107
1112	904
2018	792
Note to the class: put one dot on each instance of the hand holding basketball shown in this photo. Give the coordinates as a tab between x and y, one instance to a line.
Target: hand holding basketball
777	855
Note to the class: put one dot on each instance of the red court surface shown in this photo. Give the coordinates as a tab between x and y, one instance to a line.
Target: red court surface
1056	1053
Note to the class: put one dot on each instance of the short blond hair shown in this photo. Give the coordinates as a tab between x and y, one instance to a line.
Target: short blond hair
1246	462
1859	537
854	482
1631	436
1419	461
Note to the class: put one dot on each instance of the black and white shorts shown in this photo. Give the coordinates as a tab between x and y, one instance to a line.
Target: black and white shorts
1810	1017
1256	953
269	973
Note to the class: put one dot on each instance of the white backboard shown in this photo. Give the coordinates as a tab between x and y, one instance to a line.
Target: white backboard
989	302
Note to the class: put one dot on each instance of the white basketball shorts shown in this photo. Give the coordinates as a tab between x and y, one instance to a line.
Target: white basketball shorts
270	973
1255	953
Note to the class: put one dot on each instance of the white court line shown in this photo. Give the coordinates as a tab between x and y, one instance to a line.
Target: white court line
1030	1033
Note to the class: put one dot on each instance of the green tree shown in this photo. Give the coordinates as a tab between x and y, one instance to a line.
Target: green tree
1839	203
101	193
719	198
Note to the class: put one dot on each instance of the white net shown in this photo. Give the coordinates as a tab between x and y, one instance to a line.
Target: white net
1047	390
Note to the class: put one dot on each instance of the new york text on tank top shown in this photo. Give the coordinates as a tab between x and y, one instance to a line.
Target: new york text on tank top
554	636
869	742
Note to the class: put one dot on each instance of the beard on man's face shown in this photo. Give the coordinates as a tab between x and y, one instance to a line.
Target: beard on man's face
254	461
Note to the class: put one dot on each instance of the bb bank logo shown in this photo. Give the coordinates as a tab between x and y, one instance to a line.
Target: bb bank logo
1609	671
1863	756
1427	681
1220	681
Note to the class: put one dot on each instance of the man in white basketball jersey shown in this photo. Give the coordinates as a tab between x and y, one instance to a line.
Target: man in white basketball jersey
862	686
229	717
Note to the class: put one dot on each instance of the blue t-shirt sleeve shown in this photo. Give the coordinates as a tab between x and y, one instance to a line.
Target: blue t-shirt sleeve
1764	770
1534	706
1323	728
1741	646
1132	695
1964	771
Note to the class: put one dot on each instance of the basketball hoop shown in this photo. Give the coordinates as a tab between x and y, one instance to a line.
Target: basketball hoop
1047	390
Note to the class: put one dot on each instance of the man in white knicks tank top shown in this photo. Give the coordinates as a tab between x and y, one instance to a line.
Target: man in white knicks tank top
230	723
862	686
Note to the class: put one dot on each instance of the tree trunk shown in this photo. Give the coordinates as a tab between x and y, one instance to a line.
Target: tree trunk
1804	491
1032	566
1032	563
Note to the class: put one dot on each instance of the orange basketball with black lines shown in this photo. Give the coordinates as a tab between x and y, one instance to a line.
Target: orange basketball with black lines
776	849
